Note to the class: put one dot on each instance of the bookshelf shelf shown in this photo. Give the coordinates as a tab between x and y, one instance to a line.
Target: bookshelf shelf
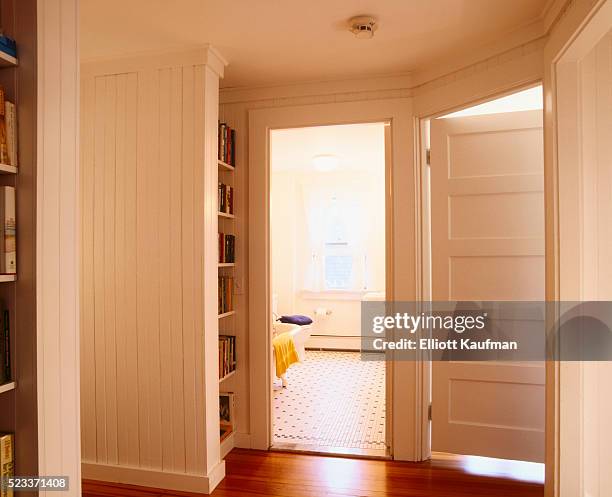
227	444
6	169
7	387
7	60
228	375
227	264
5	278
226	314
223	214
225	166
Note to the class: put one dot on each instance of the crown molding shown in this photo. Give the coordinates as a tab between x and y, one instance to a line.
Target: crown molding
313	89
171	57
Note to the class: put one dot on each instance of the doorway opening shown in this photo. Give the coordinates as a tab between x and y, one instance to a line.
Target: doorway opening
327	255
484	242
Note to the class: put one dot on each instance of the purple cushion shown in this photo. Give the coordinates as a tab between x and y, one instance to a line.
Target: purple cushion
296	319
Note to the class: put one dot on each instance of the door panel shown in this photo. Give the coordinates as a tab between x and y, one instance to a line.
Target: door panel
487	211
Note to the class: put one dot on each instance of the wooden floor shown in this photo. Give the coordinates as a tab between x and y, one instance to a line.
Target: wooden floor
275	474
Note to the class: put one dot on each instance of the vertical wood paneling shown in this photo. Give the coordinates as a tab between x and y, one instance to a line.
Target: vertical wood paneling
143	266
165	343
108	244
143	222
98	265
131	257
88	372
154	176
188	267
177	401
120	269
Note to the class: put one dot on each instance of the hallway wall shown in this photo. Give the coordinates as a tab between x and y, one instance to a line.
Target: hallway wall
145	157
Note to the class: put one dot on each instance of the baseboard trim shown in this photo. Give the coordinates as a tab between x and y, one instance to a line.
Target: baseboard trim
329	342
158	479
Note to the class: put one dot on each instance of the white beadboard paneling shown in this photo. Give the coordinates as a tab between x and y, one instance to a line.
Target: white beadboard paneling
57	222
145	131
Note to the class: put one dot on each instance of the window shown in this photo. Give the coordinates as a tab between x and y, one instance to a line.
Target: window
338	272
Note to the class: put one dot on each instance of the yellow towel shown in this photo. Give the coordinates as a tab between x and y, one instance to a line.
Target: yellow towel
284	353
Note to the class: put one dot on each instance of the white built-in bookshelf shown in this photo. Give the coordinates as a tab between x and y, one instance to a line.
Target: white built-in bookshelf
227	228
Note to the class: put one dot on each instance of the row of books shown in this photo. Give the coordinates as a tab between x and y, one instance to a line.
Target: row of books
227	422
227	244
227	144
5	349
8	131
227	355
7	464
226	294
226	199
8	231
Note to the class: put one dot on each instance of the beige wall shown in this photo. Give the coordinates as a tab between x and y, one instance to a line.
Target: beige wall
148	164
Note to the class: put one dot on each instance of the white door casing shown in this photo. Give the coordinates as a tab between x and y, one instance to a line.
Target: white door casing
487	211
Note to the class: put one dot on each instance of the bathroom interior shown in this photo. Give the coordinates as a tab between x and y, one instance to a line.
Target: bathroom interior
327	228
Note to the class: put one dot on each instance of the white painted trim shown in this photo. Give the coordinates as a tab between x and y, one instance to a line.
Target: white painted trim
401	278
332	342
156	479
57	246
134	62
578	30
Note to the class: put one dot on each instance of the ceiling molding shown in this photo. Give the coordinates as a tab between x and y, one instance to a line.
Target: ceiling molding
394	84
196	55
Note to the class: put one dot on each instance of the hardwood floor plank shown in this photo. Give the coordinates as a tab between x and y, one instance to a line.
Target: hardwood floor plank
253	473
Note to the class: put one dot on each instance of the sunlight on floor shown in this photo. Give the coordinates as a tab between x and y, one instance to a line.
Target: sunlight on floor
517	470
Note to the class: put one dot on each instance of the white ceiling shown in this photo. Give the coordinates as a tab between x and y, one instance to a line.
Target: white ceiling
359	147
280	41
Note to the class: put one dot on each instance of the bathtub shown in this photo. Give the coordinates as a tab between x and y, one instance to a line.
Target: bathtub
300	335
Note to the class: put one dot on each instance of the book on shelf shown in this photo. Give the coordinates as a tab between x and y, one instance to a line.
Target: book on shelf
227	355
10	116
7	467
8	46
226	290
226	199
5	349
8	131
8	245
227	144
227	245
227	422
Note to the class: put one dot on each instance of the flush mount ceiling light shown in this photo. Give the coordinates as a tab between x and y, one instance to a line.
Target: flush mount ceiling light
363	26
325	162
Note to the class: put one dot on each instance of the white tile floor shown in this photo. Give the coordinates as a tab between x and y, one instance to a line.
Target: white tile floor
333	399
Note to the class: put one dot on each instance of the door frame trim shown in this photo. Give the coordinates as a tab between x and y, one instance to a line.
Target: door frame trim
400	274
579	31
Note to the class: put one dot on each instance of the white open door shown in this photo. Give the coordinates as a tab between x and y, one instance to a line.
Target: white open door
487	212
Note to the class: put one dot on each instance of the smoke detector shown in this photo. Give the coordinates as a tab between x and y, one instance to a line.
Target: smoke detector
362	26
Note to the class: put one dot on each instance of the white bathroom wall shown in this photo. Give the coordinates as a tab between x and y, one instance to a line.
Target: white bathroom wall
291	250
283	235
